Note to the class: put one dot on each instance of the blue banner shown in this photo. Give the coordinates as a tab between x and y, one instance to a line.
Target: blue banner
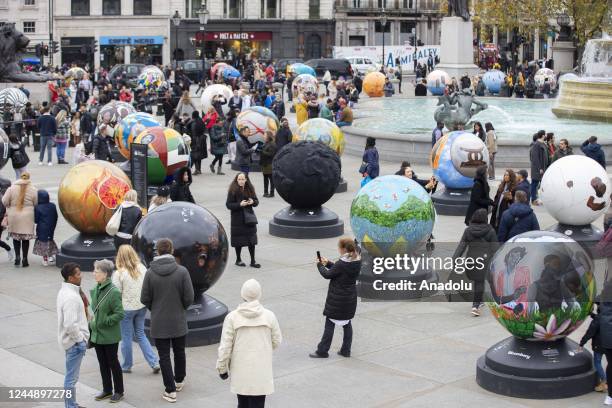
132	40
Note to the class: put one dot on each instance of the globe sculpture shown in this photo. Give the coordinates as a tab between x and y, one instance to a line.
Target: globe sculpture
151	77
88	195
575	190
130	127
542	75
77	73
114	112
322	131
542	288
391	215
217	69
437	81
211	91
12	98
4	149
258	120
299	69
230	72
305	83
373	84
201	246
166	153
493	80
454	160
306	175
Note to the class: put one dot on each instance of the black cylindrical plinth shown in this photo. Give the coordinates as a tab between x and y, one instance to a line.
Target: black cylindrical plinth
342	186
586	235
452	201
85	250
306	224
204	321
536	369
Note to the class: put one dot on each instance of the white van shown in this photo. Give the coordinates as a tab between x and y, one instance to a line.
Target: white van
363	65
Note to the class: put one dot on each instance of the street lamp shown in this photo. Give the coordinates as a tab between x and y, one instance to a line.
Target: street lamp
203	17
564	24
383	23
176	20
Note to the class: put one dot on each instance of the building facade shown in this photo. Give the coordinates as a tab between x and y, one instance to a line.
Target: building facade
120	31
29	16
358	22
268	29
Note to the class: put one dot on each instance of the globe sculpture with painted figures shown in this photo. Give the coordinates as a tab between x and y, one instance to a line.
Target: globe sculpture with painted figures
151	77
373	84
12	98
216	90
542	288
200	245
257	120
437	81
166	153
305	83
326	132
88	195
542	75
391	215
575	190
454	160
77	73
493	80
306	175
130	127
113	113
217	69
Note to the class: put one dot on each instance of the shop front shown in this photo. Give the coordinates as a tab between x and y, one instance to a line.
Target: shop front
130	50
72	51
225	45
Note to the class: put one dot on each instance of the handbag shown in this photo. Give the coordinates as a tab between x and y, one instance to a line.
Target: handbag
363	167
249	217
112	227
89	343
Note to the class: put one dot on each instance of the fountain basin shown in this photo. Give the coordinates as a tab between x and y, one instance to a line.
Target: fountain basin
585	99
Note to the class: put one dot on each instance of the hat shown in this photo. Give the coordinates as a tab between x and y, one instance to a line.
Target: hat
251	290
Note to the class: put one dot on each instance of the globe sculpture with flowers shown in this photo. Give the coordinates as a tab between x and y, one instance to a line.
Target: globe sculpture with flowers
541	289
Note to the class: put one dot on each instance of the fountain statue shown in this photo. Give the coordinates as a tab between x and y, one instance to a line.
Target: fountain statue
456	110
12	43
588	96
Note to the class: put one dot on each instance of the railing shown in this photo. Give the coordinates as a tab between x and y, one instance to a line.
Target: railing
390	6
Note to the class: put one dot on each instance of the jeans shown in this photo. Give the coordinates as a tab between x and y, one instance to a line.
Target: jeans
61	150
328	335
132	327
110	369
46	142
218	159
340	124
492	165
74	356
19	172
178	348
535	184
251	401
601	374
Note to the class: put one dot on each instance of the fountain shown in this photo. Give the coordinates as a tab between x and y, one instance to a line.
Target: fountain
589	97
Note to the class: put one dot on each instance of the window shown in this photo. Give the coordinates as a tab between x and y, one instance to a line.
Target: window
262	9
29	26
29	2
142	7
407	29
192	7
313	9
232	8
382	3
271	9
111	7
356	3
80	8
313	46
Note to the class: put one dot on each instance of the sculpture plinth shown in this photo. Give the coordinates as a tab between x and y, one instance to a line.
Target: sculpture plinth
457	53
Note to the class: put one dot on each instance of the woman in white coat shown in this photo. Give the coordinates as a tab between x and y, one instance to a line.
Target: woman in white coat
250	333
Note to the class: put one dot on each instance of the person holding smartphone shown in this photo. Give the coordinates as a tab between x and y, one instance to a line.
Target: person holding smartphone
341	301
241	199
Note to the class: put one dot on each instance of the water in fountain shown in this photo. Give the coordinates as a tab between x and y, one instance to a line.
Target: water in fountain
597	60
509	119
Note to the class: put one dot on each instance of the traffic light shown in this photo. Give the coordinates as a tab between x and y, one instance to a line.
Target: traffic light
54	47
94	46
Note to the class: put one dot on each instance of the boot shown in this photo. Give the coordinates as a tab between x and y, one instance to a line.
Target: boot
219	172
212	168
25	263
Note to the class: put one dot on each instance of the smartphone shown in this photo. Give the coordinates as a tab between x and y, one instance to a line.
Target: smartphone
319	255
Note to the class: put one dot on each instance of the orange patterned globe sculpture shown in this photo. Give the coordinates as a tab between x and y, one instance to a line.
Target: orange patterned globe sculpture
373	84
89	193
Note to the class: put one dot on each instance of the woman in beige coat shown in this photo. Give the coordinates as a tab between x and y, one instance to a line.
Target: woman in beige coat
19	201
250	333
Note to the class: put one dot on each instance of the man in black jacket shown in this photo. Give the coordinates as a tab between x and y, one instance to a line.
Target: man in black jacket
235	101
358	82
86	124
522	183
100	146
593	150
283	135
167	292
179	190
421	88
538	156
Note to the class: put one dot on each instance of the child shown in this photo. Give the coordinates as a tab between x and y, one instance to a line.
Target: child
592	334
4	185
45	217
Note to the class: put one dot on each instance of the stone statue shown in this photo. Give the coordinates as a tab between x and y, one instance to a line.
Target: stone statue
456	110
12	43
459	8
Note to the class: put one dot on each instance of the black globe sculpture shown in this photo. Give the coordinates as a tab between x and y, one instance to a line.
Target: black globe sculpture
201	246
4	149
306	175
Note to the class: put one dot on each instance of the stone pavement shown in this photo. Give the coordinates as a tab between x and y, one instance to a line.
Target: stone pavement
410	354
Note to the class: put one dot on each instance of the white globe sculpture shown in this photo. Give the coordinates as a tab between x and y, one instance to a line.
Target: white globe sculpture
468	153
211	91
544	73
437	81
575	190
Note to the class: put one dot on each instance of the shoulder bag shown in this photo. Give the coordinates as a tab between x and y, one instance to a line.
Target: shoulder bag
114	223
249	217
